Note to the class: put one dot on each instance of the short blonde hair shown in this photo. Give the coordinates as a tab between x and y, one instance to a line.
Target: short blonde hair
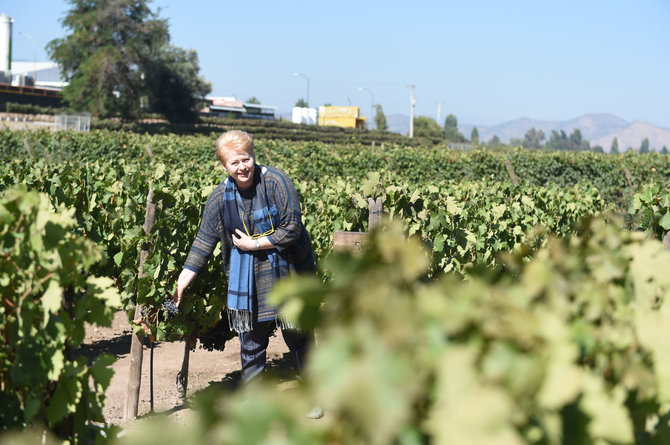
234	140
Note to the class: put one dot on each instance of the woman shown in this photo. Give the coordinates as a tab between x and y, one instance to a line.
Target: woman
255	214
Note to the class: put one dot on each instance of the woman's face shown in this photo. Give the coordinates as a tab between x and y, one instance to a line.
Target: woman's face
240	166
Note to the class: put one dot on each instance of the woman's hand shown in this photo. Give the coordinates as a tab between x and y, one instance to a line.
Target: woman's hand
176	297
185	278
242	241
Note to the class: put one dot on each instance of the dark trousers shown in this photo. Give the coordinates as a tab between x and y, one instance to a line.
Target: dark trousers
254	343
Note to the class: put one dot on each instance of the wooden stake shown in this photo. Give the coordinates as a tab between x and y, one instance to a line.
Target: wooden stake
629	179
666	240
375	212
135	373
151	378
510	171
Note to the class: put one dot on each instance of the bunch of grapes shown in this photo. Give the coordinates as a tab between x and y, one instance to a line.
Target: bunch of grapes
165	312
168	310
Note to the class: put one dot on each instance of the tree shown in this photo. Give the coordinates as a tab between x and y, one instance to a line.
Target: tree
380	118
558	141
614	149
117	54
451	128
176	89
664	150
597	149
474	136
427	127
253	100
515	142
301	103
577	142
533	138
644	148
561	141
494	141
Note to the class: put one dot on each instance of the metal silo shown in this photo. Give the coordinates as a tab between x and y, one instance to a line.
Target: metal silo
5	42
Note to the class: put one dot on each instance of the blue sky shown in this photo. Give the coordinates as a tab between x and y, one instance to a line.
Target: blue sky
487	61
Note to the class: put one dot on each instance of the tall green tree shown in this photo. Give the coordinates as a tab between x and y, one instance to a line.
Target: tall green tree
644	148
533	138
494	141
451	129
253	100
664	150
175	89
558	141
614	149
561	141
474	136
380	118
117	54
427	127
301	103
577	142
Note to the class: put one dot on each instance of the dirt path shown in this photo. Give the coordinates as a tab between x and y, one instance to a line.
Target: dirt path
205	369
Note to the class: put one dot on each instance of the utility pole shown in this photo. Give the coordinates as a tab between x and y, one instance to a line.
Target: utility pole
412	101
439	112
372	105
307	79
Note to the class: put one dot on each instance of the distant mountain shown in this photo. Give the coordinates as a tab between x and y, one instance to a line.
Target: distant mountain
597	128
633	134
594	126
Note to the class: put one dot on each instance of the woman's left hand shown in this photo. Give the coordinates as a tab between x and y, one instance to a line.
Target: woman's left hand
242	241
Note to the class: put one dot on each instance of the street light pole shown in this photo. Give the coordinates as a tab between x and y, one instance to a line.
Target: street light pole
307	79
34	54
372	103
412	102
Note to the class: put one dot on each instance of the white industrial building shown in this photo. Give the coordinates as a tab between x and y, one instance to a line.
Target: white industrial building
24	73
41	74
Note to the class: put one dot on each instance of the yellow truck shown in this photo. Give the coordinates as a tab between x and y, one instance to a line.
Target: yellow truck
348	117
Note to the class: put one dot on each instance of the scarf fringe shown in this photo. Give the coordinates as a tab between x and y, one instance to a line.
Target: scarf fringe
242	321
239	320
285	324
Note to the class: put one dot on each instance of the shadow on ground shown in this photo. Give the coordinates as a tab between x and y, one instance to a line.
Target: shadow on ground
116	346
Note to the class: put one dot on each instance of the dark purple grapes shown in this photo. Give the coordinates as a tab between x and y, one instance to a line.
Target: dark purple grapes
167	310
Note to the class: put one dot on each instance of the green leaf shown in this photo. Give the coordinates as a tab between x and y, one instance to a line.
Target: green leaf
51	300
117	258
57	364
665	221
32	406
370	183
101	370
438	244
65	400
103	288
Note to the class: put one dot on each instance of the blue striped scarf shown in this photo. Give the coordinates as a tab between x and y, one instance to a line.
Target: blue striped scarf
241	289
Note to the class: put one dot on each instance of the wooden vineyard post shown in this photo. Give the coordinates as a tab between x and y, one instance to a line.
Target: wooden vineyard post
666	240
135	373
510	171
629	179
357	240
375	212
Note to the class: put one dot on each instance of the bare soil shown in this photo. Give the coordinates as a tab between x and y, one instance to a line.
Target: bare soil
206	369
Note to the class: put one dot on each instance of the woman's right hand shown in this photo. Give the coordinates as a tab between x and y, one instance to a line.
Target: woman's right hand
176	296
185	278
